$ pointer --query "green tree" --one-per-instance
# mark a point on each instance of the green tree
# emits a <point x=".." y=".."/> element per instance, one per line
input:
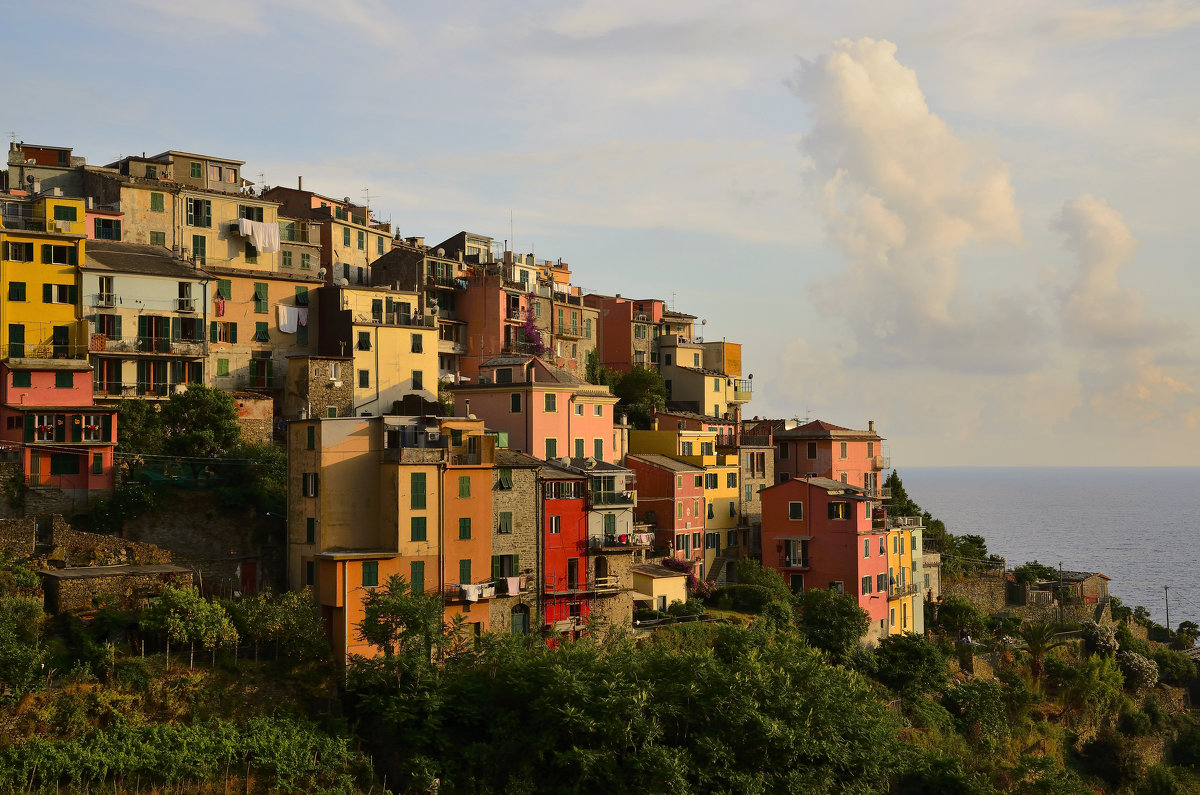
<point x="183" y="616"/>
<point x="751" y="572"/>
<point x="1037" y="639"/>
<point x="290" y="621"/>
<point x="1187" y="634"/>
<point x="910" y="664"/>
<point x="640" y="392"/>
<point x="832" y="622"/>
<point x="956" y="615"/>
<point x="398" y="621"/>
<point x="21" y="650"/>
<point x="1032" y="572"/>
<point x="200" y="422"/>
<point x="140" y="427"/>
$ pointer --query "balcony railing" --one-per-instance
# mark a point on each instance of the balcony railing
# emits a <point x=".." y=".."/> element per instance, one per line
<point x="417" y="320"/>
<point x="575" y="332"/>
<point x="151" y="389"/>
<point x="486" y="590"/>
<point x="795" y="563"/>
<point x="451" y="346"/>
<point x="905" y="521"/>
<point x="879" y="492"/>
<point x="504" y="585"/>
<point x="160" y="345"/>
<point x="291" y="232"/>
<point x="612" y="498"/>
<point x="450" y="282"/>
<point x="26" y="223"/>
<point x="607" y="585"/>
<point x="900" y="591"/>
<point x="185" y="304"/>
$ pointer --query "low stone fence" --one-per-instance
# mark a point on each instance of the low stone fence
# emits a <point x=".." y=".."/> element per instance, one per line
<point x="76" y="590"/>
<point x="987" y="592"/>
<point x="74" y="548"/>
<point x="18" y="538"/>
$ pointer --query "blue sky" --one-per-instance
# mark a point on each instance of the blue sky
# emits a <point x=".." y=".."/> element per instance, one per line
<point x="973" y="223"/>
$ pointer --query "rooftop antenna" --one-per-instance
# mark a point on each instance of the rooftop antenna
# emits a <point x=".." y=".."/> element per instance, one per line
<point x="12" y="136"/>
<point x="262" y="178"/>
<point x="366" y="194"/>
<point x="511" y="236"/>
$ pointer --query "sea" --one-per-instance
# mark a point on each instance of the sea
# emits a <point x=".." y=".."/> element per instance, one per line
<point x="1140" y="526"/>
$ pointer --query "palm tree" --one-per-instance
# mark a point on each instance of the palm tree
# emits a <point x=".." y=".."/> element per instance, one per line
<point x="1039" y="637"/>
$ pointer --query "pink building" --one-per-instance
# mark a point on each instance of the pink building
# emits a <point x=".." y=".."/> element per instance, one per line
<point x="671" y="500"/>
<point x="66" y="440"/>
<point x="820" y="533"/>
<point x="820" y="449"/>
<point x="497" y="313"/>
<point x="629" y="330"/>
<point x="546" y="411"/>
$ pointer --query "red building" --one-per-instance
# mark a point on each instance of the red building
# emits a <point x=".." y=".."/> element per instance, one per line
<point x="66" y="440"/>
<point x="821" y="533"/>
<point x="671" y="500"/>
<point x="566" y="595"/>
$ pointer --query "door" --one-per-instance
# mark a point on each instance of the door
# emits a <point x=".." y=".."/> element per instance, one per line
<point x="573" y="574"/>
<point x="249" y="578"/>
<point x="520" y="620"/>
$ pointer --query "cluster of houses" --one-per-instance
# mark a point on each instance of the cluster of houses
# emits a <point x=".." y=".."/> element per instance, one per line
<point x="532" y="506"/>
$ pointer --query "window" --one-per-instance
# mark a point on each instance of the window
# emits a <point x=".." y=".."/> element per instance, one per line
<point x="362" y="240"/>
<point x="16" y="291"/>
<point x="870" y="449"/>
<point x="64" y="464"/>
<point x="464" y="528"/>
<point x="812" y="451"/>
<point x="598" y="411"/>
<point x="364" y="341"/>
<point x="250" y="213"/>
<point x="65" y="212"/>
<point x="706" y="448"/>
<point x="157" y="203"/>
<point x="882" y="545"/>
<point x="222" y="332"/>
<point x="551" y="449"/>
<point x="379" y="245"/>
<point x="795" y="510"/>
<point x="685" y="448"/>
<point x="464" y="486"/>
<point x="733" y="508"/>
<point x="880" y="583"/>
<point x="24" y="378"/>
<point x="345" y="236"/>
<point x="417" y="490"/>
<point x="866" y="547"/>
<point x="310" y="572"/>
<point x="214" y="173"/>
<point x="579" y="448"/>
<point x="866" y="585"/>
<point x="364" y="379"/>
<point x="710" y="480"/>
<point x="464" y="571"/>
<point x="716" y="381"/>
<point x="783" y="451"/>
<point x="505" y="524"/>
<point x="555" y="525"/>
<point x="309" y="484"/>
<point x="842" y="453"/>
<point x="199" y="212"/>
<point x="731" y="480"/>
<point x="251" y="253"/>
<point x="58" y="293"/>
<point x="418" y="379"/>
<point x="311" y="442"/>
<point x="370" y="573"/>
<point x="710" y="511"/>
<point x="63" y="380"/>
<point x="97" y="463"/>
<point x="222" y="367"/>
<point x="107" y="228"/>
<point x="417" y="528"/>
<point x="305" y="262"/>
<point x="749" y="494"/>
<point x="578" y="409"/>
<point x="20" y="252"/>
<point x="310" y="530"/>
<point x="838" y="510"/>
<point x="418" y="343"/>
<point x="158" y="238"/>
<point x="416" y="576"/>
<point x="331" y="411"/>
<point x="504" y="479"/>
<point x="698" y="482"/>
<point x="679" y="510"/>
<point x="200" y="248"/>
<point x="261" y="332"/>
<point x="551" y="402"/>
<point x="260" y="298"/>
<point x="56" y="255"/>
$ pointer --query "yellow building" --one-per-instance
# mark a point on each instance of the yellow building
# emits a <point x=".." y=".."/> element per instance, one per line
<point x="721" y="480"/>
<point x="41" y="246"/>
<point x="395" y="347"/>
<point x="901" y="588"/>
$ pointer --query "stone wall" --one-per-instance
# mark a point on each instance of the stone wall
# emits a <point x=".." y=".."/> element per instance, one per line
<point x="217" y="541"/>
<point x="70" y="547"/>
<point x="987" y="593"/>
<point x="1071" y="614"/>
<point x="254" y="416"/>
<point x="73" y="595"/>
<point x="12" y="487"/>
<point x="522" y="502"/>
<point x="616" y="609"/>
<point x="17" y="538"/>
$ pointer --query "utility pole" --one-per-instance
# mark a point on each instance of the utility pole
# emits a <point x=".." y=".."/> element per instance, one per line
<point x="1167" y="600"/>
<point x="1060" y="593"/>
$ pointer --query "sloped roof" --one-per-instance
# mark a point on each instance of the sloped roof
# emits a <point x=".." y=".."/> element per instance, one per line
<point x="110" y="255"/>
<point x="819" y="429"/>
<point x="664" y="462"/>
<point x="512" y="459"/>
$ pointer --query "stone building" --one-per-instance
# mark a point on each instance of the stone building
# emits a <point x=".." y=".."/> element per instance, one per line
<point x="515" y="529"/>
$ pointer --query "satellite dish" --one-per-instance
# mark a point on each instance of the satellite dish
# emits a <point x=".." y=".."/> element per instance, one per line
<point x="321" y="273"/>
<point x="441" y="252"/>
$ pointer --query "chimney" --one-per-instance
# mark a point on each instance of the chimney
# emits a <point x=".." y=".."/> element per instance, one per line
<point x="871" y="426"/>
<point x="467" y="407"/>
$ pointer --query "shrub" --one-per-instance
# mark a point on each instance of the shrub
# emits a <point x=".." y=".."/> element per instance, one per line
<point x="910" y="664"/>
<point x="1174" y="666"/>
<point x="979" y="709"/>
<point x="692" y="607"/>
<point x="1140" y="672"/>
<point x="648" y="615"/>
<point x="1186" y="750"/>
<point x="1134" y="722"/>
<point x="751" y="598"/>
<point x="1129" y="642"/>
<point x="1100" y="638"/>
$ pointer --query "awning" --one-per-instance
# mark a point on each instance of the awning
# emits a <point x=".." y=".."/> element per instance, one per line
<point x="641" y="597"/>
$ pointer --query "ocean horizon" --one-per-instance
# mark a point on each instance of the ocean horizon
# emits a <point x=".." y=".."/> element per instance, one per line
<point x="1135" y="524"/>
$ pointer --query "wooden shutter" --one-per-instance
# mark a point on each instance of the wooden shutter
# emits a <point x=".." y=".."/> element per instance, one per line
<point x="73" y="255"/>
<point x="212" y="331"/>
<point x="29" y="427"/>
<point x="60" y="427"/>
<point x="495" y="567"/>
<point x="175" y="329"/>
<point x="47" y="253"/>
<point x="76" y="428"/>
<point x="117" y="229"/>
<point x="47" y="293"/>
<point x="116" y="326"/>
<point x="233" y="332"/>
<point x="97" y="228"/>
<point x="106" y="427"/>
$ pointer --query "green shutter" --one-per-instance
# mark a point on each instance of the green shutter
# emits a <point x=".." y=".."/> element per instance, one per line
<point x="117" y="326"/>
<point x="97" y="228"/>
<point x="47" y="253"/>
<point x="416" y="579"/>
<point x="464" y="571"/>
<point x="233" y="332"/>
<point x="72" y="294"/>
<point x="224" y="288"/>
<point x="302" y="336"/>
<point x="301" y="296"/>
<point x="212" y="331"/>
<point x="76" y="428"/>
<point x="73" y="255"/>
<point x="29" y="427"/>
<point x="516" y="564"/>
<point x="97" y="464"/>
<point x="417" y="489"/>
<point x="47" y="293"/>
<point x="117" y="229"/>
<point x="106" y="427"/>
<point x="175" y="335"/>
<point x="495" y="567"/>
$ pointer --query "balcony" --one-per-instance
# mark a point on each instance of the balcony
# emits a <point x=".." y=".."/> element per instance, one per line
<point x="743" y="390"/>
<point x="291" y="232"/>
<point x="105" y="300"/>
<point x="622" y="541"/>
<point x="882" y="462"/>
<point x="514" y="315"/>
<point x="795" y="563"/>
<point x="512" y="586"/>
<point x="901" y="591"/>
<point x="451" y="346"/>
<point x="572" y="332"/>
<point x="185" y="305"/>
<point x="444" y="282"/>
<point x="879" y="492"/>
<point x="913" y="522"/>
<point x="408" y="319"/>
<point x="459" y="592"/>
<point x="607" y="585"/>
<point x="25" y="223"/>
<point x="99" y="343"/>
<point x="627" y="498"/>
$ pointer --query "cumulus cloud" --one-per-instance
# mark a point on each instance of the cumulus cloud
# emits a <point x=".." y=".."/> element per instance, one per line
<point x="903" y="196"/>
<point x="1097" y="311"/>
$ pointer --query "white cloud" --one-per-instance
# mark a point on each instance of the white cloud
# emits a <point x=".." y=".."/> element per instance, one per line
<point x="903" y="195"/>
<point x="1133" y="20"/>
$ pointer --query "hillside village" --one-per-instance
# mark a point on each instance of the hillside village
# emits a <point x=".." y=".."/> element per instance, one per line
<point x="434" y="400"/>
<point x="450" y="453"/>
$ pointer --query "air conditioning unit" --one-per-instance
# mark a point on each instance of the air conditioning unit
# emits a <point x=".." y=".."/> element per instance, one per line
<point x="233" y="228"/>
<point x="62" y="226"/>
<point x="433" y="436"/>
<point x="337" y="384"/>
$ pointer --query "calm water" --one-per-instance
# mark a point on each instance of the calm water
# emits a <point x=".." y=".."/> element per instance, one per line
<point x="1137" y="525"/>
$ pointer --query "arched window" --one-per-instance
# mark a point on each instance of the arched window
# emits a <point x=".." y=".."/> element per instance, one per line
<point x="601" y="568"/>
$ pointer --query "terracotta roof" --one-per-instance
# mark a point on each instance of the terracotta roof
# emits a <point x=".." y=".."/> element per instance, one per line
<point x="664" y="462"/>
<point x="111" y="255"/>
<point x="818" y="429"/>
<point x="513" y="459"/>
<point x="655" y="570"/>
<point x="691" y="415"/>
<point x="1079" y="576"/>
<point x="583" y="465"/>
<point x="704" y="371"/>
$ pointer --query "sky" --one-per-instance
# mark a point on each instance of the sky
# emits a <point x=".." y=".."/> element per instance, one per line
<point x="974" y="223"/>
